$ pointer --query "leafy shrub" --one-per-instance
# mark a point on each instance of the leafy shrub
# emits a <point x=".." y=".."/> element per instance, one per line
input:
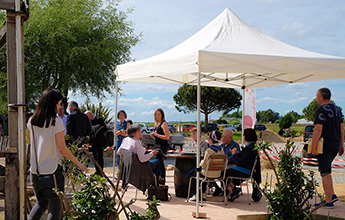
<point x="294" y="189"/>
<point x="286" y="121"/>
<point x="152" y="211"/>
<point x="94" y="200"/>
<point x="277" y="121"/>
<point x="101" y="111"/>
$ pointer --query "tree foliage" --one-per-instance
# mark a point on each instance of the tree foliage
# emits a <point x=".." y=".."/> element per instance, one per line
<point x="309" y="110"/>
<point x="212" y="99"/>
<point x="267" y="116"/>
<point x="286" y="121"/>
<point x="75" y="45"/>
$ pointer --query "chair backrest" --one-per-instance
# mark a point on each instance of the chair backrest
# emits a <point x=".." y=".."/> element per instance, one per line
<point x="217" y="163"/>
<point x="253" y="168"/>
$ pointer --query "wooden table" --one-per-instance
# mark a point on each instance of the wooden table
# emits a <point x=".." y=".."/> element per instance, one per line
<point x="183" y="164"/>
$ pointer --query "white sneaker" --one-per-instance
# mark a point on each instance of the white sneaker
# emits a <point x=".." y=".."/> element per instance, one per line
<point x="193" y="198"/>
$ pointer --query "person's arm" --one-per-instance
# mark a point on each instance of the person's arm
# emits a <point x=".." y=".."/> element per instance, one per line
<point x="61" y="144"/>
<point x="166" y="135"/>
<point x="141" y="153"/>
<point x="316" y="137"/>
<point x="341" y="149"/>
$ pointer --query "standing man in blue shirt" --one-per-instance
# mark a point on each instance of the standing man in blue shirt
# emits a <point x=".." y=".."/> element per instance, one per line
<point x="228" y="144"/>
<point x="329" y="126"/>
<point x="61" y="114"/>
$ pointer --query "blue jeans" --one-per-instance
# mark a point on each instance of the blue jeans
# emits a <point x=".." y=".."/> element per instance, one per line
<point x="42" y="204"/>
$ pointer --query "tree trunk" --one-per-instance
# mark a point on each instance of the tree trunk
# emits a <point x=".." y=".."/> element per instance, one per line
<point x="206" y="123"/>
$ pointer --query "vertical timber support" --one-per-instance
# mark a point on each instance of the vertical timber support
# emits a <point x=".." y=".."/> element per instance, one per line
<point x="15" y="184"/>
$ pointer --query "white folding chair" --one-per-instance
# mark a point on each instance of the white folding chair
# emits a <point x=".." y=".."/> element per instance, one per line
<point x="214" y="163"/>
<point x="246" y="179"/>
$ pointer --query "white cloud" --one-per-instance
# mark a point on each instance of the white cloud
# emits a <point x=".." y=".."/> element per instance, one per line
<point x="299" y="100"/>
<point x="153" y="103"/>
<point x="296" y="28"/>
<point x="148" y="113"/>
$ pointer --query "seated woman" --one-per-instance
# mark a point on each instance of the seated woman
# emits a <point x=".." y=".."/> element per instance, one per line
<point x="244" y="162"/>
<point x="132" y="143"/>
<point x="203" y="144"/>
<point x="213" y="149"/>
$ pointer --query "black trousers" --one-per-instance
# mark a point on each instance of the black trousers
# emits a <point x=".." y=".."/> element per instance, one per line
<point x="164" y="149"/>
<point x="235" y="173"/>
<point x="98" y="156"/>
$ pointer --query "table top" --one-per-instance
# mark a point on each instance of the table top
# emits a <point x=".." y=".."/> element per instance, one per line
<point x="184" y="156"/>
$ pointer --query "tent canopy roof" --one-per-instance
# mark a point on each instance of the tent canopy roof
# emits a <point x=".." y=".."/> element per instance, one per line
<point x="228" y="52"/>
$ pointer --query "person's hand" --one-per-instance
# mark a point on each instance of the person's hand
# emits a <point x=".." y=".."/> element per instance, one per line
<point x="155" y="152"/>
<point x="81" y="167"/>
<point x="233" y="151"/>
<point x="341" y="150"/>
<point x="314" y="151"/>
<point x="153" y="134"/>
<point x="118" y="133"/>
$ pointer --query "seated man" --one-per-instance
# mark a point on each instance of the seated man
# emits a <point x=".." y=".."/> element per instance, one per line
<point x="203" y="144"/>
<point x="213" y="149"/>
<point x="132" y="144"/>
<point x="244" y="162"/>
<point x="228" y="144"/>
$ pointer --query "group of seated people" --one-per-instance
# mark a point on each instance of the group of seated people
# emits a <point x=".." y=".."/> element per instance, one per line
<point x="240" y="162"/>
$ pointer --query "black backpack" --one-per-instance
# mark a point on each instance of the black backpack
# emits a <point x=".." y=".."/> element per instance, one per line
<point x="257" y="195"/>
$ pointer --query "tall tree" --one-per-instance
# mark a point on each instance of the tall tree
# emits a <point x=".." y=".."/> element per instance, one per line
<point x="212" y="99"/>
<point x="267" y="116"/>
<point x="309" y="110"/>
<point x="75" y="45"/>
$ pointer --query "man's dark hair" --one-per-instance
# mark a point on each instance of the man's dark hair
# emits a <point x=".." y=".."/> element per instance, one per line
<point x="250" y="135"/>
<point x="74" y="103"/>
<point x="130" y="122"/>
<point x="325" y="93"/>
<point x="132" y="129"/>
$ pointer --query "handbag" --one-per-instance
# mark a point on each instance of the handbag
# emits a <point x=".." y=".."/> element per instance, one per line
<point x="319" y="146"/>
<point x="256" y="195"/>
<point x="48" y="182"/>
<point x="161" y="193"/>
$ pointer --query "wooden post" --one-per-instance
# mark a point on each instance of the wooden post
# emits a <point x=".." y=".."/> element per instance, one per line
<point x="12" y="181"/>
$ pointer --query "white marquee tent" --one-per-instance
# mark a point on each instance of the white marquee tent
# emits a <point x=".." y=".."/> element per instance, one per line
<point x="228" y="52"/>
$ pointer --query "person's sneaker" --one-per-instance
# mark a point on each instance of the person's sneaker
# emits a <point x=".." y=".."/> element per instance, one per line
<point x="193" y="198"/>
<point x="334" y="198"/>
<point x="329" y="205"/>
<point x="235" y="194"/>
<point x="218" y="192"/>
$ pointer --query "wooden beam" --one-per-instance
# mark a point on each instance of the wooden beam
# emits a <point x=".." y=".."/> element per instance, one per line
<point x="7" y="5"/>
<point x="3" y="31"/>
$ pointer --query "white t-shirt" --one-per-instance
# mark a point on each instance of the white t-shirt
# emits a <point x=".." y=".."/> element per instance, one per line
<point x="46" y="148"/>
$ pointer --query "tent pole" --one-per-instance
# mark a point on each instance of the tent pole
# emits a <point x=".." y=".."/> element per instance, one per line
<point x="243" y="107"/>
<point x="198" y="145"/>
<point x="115" y="126"/>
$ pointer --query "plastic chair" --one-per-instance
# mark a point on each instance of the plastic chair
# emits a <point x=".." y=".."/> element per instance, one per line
<point x="214" y="163"/>
<point x="246" y="179"/>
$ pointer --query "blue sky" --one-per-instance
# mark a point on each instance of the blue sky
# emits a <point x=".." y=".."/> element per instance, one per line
<point x="312" y="25"/>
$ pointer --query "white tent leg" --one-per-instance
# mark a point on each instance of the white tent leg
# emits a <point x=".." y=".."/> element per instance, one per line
<point x="198" y="144"/>
<point x="243" y="107"/>
<point x="115" y="127"/>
